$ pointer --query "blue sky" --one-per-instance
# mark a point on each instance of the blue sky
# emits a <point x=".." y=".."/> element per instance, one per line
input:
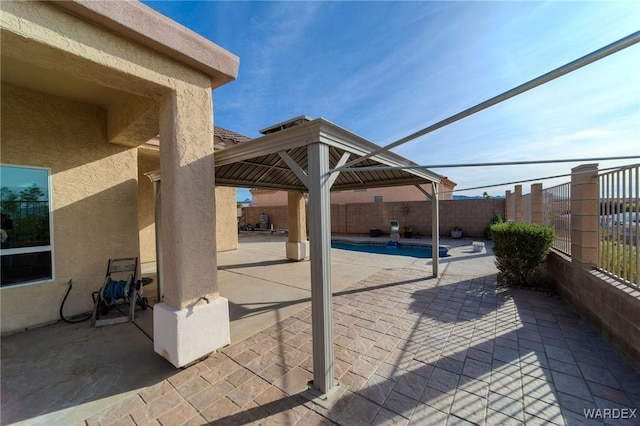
<point x="18" y="179"/>
<point x="384" y="70"/>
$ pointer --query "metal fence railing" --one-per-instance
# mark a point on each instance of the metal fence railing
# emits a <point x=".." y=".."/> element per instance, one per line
<point x="619" y="223"/>
<point x="26" y="223"/>
<point x="557" y="215"/>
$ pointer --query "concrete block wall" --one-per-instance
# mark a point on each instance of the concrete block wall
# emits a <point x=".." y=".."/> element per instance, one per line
<point x="610" y="306"/>
<point x="277" y="216"/>
<point x="473" y="216"/>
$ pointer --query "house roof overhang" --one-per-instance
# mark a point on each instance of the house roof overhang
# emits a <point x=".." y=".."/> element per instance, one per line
<point x="142" y="24"/>
<point x="259" y="163"/>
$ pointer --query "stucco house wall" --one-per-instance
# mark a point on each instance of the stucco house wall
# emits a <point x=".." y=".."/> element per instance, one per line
<point x="147" y="161"/>
<point x="94" y="188"/>
<point x="226" y="220"/>
<point x="84" y="84"/>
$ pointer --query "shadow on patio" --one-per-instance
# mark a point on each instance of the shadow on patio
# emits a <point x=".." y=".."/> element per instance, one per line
<point x="412" y="350"/>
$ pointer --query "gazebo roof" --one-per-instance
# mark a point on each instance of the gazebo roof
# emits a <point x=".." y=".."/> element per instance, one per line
<point x="265" y="162"/>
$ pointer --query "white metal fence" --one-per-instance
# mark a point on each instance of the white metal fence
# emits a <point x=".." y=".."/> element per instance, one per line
<point x="557" y="215"/>
<point x="619" y="223"/>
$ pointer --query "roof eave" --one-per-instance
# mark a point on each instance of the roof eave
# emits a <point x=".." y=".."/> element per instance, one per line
<point x="140" y="23"/>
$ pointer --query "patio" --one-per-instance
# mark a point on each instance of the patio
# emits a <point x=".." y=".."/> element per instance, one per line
<point x="410" y="348"/>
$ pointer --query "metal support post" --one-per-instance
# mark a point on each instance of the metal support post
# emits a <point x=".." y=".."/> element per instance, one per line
<point x="320" y="250"/>
<point x="435" y="228"/>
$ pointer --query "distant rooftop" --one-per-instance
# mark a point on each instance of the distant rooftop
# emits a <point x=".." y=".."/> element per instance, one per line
<point x="228" y="138"/>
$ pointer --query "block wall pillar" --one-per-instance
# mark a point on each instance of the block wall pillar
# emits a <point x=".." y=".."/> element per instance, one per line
<point x="518" y="203"/>
<point x="537" y="204"/>
<point x="584" y="216"/>
<point x="508" y="214"/>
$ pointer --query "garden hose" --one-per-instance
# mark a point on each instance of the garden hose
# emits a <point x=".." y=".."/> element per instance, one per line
<point x="75" y="321"/>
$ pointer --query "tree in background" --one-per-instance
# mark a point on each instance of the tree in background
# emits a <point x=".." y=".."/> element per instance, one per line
<point x="28" y="214"/>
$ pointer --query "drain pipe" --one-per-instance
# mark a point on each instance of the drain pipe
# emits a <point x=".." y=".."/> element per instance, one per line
<point x="154" y="177"/>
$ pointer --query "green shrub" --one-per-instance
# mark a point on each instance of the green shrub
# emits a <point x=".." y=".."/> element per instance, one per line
<point x="519" y="248"/>
<point x="497" y="218"/>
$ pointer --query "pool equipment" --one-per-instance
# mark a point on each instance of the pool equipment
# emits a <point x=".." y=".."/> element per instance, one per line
<point x="264" y="221"/>
<point x="394" y="235"/>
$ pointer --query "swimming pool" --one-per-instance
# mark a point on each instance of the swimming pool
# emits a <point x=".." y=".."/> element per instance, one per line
<point x="422" y="252"/>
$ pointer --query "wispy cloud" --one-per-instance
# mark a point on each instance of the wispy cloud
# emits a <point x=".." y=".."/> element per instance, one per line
<point x="387" y="69"/>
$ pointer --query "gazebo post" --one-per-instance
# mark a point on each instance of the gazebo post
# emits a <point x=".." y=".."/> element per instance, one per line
<point x="320" y="250"/>
<point x="435" y="225"/>
<point x="435" y="229"/>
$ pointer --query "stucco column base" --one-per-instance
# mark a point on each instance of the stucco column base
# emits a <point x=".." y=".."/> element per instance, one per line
<point x="298" y="251"/>
<point x="184" y="336"/>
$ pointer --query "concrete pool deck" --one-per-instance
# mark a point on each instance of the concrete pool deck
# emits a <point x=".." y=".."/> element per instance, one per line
<point x="412" y="349"/>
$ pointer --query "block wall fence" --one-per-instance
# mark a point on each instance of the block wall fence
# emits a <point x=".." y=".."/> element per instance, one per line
<point x="473" y="216"/>
<point x="610" y="305"/>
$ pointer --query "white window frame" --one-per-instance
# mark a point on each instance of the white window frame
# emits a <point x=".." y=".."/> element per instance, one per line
<point x="36" y="249"/>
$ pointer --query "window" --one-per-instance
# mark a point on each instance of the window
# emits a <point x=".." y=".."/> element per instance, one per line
<point x="378" y="199"/>
<point x="26" y="235"/>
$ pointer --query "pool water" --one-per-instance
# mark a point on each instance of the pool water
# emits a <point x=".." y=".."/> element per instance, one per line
<point x="422" y="252"/>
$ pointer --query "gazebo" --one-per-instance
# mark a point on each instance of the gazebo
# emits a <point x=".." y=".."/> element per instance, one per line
<point x="299" y="156"/>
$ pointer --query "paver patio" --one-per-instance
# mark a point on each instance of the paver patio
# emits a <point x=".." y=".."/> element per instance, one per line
<point x="413" y="350"/>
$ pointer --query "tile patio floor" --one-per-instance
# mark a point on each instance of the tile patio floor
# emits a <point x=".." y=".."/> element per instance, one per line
<point x="412" y="350"/>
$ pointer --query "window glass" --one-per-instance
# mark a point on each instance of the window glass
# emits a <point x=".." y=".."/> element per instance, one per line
<point x="26" y="226"/>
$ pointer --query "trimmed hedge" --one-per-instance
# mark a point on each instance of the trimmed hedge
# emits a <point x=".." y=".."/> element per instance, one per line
<point x="519" y="248"/>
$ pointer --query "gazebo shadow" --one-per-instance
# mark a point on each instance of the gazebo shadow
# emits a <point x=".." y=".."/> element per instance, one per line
<point x="473" y="351"/>
<point x="463" y="357"/>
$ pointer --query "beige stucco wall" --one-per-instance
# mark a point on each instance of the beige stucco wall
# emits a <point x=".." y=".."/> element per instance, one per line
<point x="226" y="219"/>
<point x="147" y="162"/>
<point x="104" y="78"/>
<point x="266" y="197"/>
<point x="94" y="188"/>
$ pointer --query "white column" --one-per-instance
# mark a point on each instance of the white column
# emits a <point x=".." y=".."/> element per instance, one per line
<point x="320" y="247"/>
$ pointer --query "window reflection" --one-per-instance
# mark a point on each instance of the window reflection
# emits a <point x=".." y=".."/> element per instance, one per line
<point x="26" y="226"/>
